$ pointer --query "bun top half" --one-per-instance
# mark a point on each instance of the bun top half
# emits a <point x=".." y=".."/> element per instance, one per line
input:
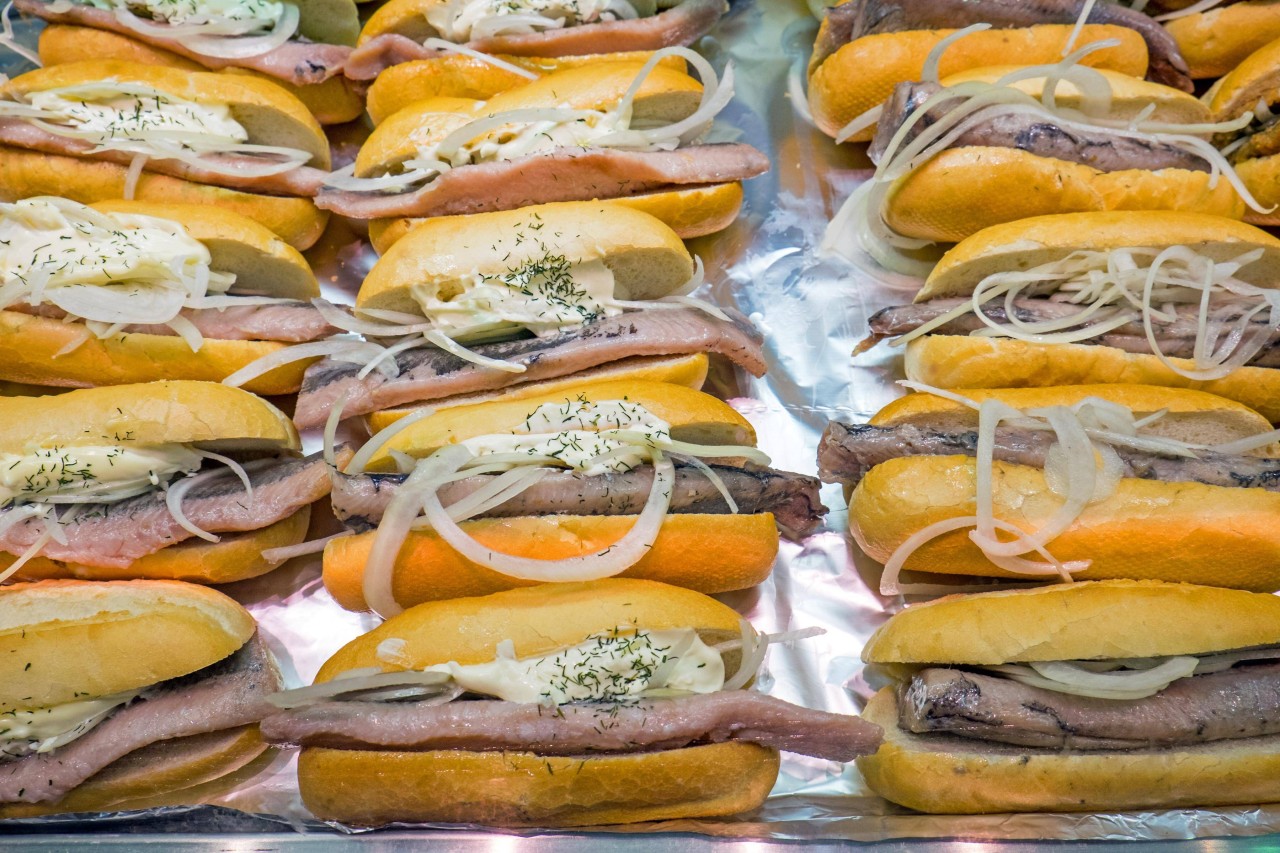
<point x="1077" y="621"/>
<point x="1028" y="243"/>
<point x="63" y="641"/>
<point x="147" y="413"/>
<point x="537" y="619"/>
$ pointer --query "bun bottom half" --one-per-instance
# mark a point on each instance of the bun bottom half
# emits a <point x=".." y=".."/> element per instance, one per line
<point x="690" y="212"/>
<point x="1261" y="176"/>
<point x="966" y="361"/>
<point x="335" y="101"/>
<point x="706" y="553"/>
<point x="161" y="774"/>
<point x="25" y="173"/>
<point x="940" y="774"/>
<point x="1145" y="530"/>
<point x="30" y="347"/>
<point x="863" y="73"/>
<point x="523" y="789"/>
<point x="236" y="557"/>
<point x="961" y="191"/>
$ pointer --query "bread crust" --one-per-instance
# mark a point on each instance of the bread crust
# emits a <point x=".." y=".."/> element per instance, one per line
<point x="689" y="212"/>
<point x="458" y="75"/>
<point x="943" y="775"/>
<point x="335" y="101"/>
<point x="963" y="361"/>
<point x="443" y="254"/>
<point x="1215" y="42"/>
<point x="1077" y="621"/>
<point x="67" y="640"/>
<point x="1189" y="532"/>
<point x="1027" y="243"/>
<point x="538" y="619"/>
<point x="693" y="416"/>
<point x="961" y="191"/>
<point x="25" y="173"/>
<point x="523" y="789"/>
<point x="707" y="553"/>
<point x="689" y="371"/>
<point x="861" y="75"/>
<point x="177" y="411"/>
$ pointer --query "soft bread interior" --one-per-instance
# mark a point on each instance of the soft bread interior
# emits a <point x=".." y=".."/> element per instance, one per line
<point x="267" y="125"/>
<point x="328" y="21"/>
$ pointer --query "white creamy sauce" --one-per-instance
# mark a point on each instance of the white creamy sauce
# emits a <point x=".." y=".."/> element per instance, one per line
<point x="44" y="729"/>
<point x="543" y="296"/>
<point x="47" y="473"/>
<point x="570" y="433"/>
<point x="47" y="245"/>
<point x="463" y="20"/>
<point x="132" y="117"/>
<point x="262" y="14"/>
<point x="612" y="665"/>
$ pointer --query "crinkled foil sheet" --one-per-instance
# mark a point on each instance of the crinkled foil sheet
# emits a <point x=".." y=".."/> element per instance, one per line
<point x="813" y="312"/>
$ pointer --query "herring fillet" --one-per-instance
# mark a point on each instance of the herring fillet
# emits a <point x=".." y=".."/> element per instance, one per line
<point x="115" y="534"/>
<point x="359" y="500"/>
<point x="229" y="694"/>
<point x="683" y="24"/>
<point x="296" y="62"/>
<point x="578" y="728"/>
<point x="293" y="322"/>
<point x="562" y="174"/>
<point x="428" y="373"/>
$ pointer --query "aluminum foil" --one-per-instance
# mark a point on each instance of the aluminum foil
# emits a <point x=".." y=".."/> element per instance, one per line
<point x="813" y="311"/>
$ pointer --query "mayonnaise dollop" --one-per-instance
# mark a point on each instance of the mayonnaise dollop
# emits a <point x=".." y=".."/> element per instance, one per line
<point x="612" y="665"/>
<point x="133" y="117"/>
<point x="48" y="473"/>
<point x="543" y="296"/>
<point x="256" y="14"/>
<point x="462" y="21"/>
<point x="570" y="433"/>
<point x="44" y="729"/>
<point x="48" y="243"/>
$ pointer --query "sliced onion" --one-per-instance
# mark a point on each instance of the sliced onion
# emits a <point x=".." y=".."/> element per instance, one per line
<point x="329" y="438"/>
<point x="382" y="436"/>
<point x="346" y="686"/>
<point x="133" y="175"/>
<point x="1064" y="677"/>
<point x="331" y="348"/>
<point x="1193" y="9"/>
<point x="452" y="347"/>
<point x="284" y="553"/>
<point x="1080" y="22"/>
<point x="10" y="41"/>
<point x="930" y="72"/>
<point x="219" y="46"/>
<point x="711" y="476"/>
<point x="608" y="562"/>
<point x="753" y="651"/>
<point x="173" y="501"/>
<point x="450" y="47"/>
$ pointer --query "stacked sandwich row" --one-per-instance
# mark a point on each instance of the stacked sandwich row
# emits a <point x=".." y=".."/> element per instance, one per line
<point x="529" y="375"/>
<point x="1093" y="377"/>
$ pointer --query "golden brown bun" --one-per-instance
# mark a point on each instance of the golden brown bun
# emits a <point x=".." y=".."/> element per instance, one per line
<point x="67" y="640"/>
<point x="690" y="212"/>
<point x="963" y="361"/>
<point x="1255" y="78"/>
<point x="523" y="789"/>
<point x="442" y="255"/>
<point x="537" y="620"/>
<point x="262" y="262"/>
<point x="1261" y="176"/>
<point x="964" y="190"/>
<point x="150" y="413"/>
<point x="269" y="114"/>
<point x="707" y="553"/>
<point x="29" y="348"/>
<point x="157" y="775"/>
<point x="1215" y="42"/>
<point x="689" y="371"/>
<point x="862" y="74"/>
<point x="665" y="95"/>
<point x="946" y="775"/>
<point x="29" y="173"/>
<point x="1078" y="621"/>
<point x="458" y="75"/>
<point x="334" y="101"/>
<point x="692" y="415"/>
<point x="1027" y="243"/>
<point x="236" y="557"/>
<point x="1189" y="532"/>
